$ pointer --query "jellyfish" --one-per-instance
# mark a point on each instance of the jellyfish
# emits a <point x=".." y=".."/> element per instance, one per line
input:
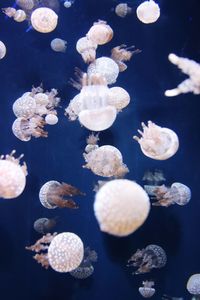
<point x="122" y="53"/>
<point x="190" y="68"/>
<point x="74" y="108"/>
<point x="25" y="4"/>
<point x="153" y="180"/>
<point x="18" y="15"/>
<point x="51" y="119"/>
<point x="147" y="290"/>
<point x="24" y="107"/>
<point x="2" y="50"/>
<point x="121" y="206"/>
<point x="193" y="284"/>
<point x="44" y="19"/>
<point x="119" y="98"/>
<point x="106" y="67"/>
<point x="153" y="256"/>
<point x="86" y="268"/>
<point x="63" y="252"/>
<point x="122" y="10"/>
<point x="100" y="33"/>
<point x="58" y="45"/>
<point x="68" y="4"/>
<point x="148" y="12"/>
<point x="44" y="225"/>
<point x="157" y="142"/>
<point x="87" y="49"/>
<point x="52" y="194"/>
<point x="12" y="176"/>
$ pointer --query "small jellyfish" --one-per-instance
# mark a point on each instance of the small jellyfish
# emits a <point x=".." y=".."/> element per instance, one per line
<point x="86" y="268"/>
<point x="122" y="10"/>
<point x="51" y="119"/>
<point x="12" y="176"/>
<point x="166" y="297"/>
<point x="68" y="4"/>
<point x="119" y="98"/>
<point x="153" y="256"/>
<point x="18" y="15"/>
<point x="52" y="194"/>
<point x="74" y="108"/>
<point x="121" y="206"/>
<point x="100" y="33"/>
<point x="147" y="290"/>
<point x="153" y="180"/>
<point x="25" y="4"/>
<point x="190" y="68"/>
<point x="44" y="225"/>
<point x="2" y="50"/>
<point x="157" y="142"/>
<point x="44" y="19"/>
<point x="58" y="45"/>
<point x="193" y="284"/>
<point x="87" y="49"/>
<point x="148" y="12"/>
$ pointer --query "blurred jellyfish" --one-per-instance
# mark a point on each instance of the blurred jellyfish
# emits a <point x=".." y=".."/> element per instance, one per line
<point x="52" y="194"/>
<point x="87" y="49"/>
<point x="157" y="142"/>
<point x="18" y="15"/>
<point x="65" y="251"/>
<point x="166" y="297"/>
<point x="121" y="53"/>
<point x="100" y="33"/>
<point x="12" y="176"/>
<point x="147" y="290"/>
<point x="86" y="268"/>
<point x="153" y="256"/>
<point x="193" y="284"/>
<point x="148" y="12"/>
<point x="2" y="50"/>
<point x="121" y="206"/>
<point x="122" y="10"/>
<point x="58" y="45"/>
<point x="104" y="161"/>
<point x="119" y="98"/>
<point x="44" y="19"/>
<point x="25" y="4"/>
<point x="152" y="181"/>
<point x="68" y="4"/>
<point x="105" y="67"/>
<point x="190" y="68"/>
<point x="44" y="225"/>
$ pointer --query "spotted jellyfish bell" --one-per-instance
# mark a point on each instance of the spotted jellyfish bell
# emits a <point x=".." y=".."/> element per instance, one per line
<point x="121" y="206"/>
<point x="100" y="33"/>
<point x="44" y="19"/>
<point x="157" y="142"/>
<point x="68" y="4"/>
<point x="193" y="284"/>
<point x="148" y="12"/>
<point x="119" y="98"/>
<point x="122" y="10"/>
<point x="58" y="45"/>
<point x="87" y="49"/>
<point x="25" y="106"/>
<point x="2" y="50"/>
<point x="147" y="290"/>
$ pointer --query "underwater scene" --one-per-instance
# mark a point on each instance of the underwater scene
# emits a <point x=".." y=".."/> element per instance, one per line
<point x="99" y="151"/>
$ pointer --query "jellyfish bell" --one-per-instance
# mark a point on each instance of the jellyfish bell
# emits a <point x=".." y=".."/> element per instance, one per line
<point x="87" y="49"/>
<point x="24" y="107"/>
<point x="147" y="290"/>
<point x="2" y="50"/>
<point x="148" y="12"/>
<point x="100" y="33"/>
<point x="122" y="10"/>
<point x="51" y="119"/>
<point x="25" y="4"/>
<point x="44" y="19"/>
<point x="193" y="284"/>
<point x="157" y="142"/>
<point x="20" y="16"/>
<point x="58" y="45"/>
<point x="119" y="98"/>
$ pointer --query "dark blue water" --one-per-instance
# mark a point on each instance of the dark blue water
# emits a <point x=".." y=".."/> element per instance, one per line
<point x="30" y="61"/>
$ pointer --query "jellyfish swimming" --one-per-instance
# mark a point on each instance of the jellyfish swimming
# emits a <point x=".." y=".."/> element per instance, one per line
<point x="100" y="33"/>
<point x="152" y="181"/>
<point x="58" y="45"/>
<point x="63" y="252"/>
<point x="44" y="19"/>
<point x="190" y="68"/>
<point x="18" y="15"/>
<point x="2" y="50"/>
<point x="121" y="206"/>
<point x="147" y="290"/>
<point x="153" y="256"/>
<point x="68" y="4"/>
<point x="44" y="225"/>
<point x="148" y="12"/>
<point x="52" y="194"/>
<point x="87" y="49"/>
<point x="119" y="98"/>
<point x="12" y="176"/>
<point x="85" y="269"/>
<point x="157" y="142"/>
<point x="193" y="284"/>
<point x="122" y="10"/>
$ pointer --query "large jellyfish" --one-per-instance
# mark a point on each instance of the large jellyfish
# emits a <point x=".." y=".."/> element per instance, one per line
<point x="193" y="284"/>
<point x="2" y="50"/>
<point x="147" y="290"/>
<point x="153" y="256"/>
<point x="157" y="142"/>
<point x="148" y="12"/>
<point x="100" y="33"/>
<point x="190" y="68"/>
<point x="44" y="225"/>
<point x="12" y="176"/>
<point x="44" y="19"/>
<point x="152" y="181"/>
<point x="121" y="206"/>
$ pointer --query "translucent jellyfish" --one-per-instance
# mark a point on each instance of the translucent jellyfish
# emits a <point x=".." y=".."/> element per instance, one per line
<point x="121" y="206"/>
<point x="86" y="268"/>
<point x="51" y="119"/>
<point x="106" y="67"/>
<point x="157" y="142"/>
<point x="119" y="98"/>
<point x="87" y="49"/>
<point x="24" y="107"/>
<point x="44" y="19"/>
<point x="18" y="15"/>
<point x="190" y="68"/>
<point x="74" y="108"/>
<point x="122" y="53"/>
<point x="2" y="50"/>
<point x="68" y="4"/>
<point x="148" y="12"/>
<point x="44" y="225"/>
<point x="12" y="176"/>
<point x="58" y="45"/>
<point x="65" y="251"/>
<point x="122" y="10"/>
<point x="153" y="256"/>
<point x="147" y="290"/>
<point x="100" y="33"/>
<point x="25" y="4"/>
<point x="193" y="284"/>
<point x="52" y="195"/>
<point x="152" y="181"/>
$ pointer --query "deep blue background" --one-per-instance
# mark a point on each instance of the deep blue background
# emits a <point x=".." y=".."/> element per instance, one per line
<point x="30" y="61"/>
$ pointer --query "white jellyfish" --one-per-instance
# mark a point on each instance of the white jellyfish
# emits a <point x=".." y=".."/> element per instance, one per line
<point x="193" y="284"/>
<point x="87" y="49"/>
<point x="148" y="12"/>
<point x="51" y="119"/>
<point x="44" y="19"/>
<point x="58" y="45"/>
<point x="121" y="206"/>
<point x="122" y="10"/>
<point x="19" y="16"/>
<point x="12" y="176"/>
<point x="2" y="50"/>
<point x="157" y="142"/>
<point x="147" y="290"/>
<point x="25" y="4"/>
<point x="24" y="107"/>
<point x="119" y="98"/>
<point x="100" y="33"/>
<point x="190" y="68"/>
